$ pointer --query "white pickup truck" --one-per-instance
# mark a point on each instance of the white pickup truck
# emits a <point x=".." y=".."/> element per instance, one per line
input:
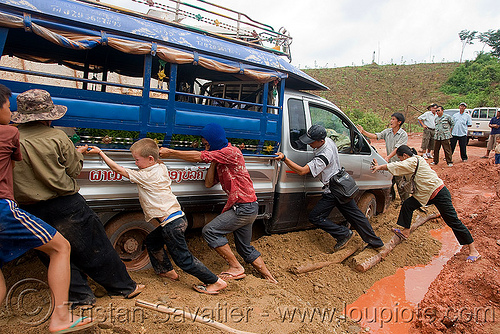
<point x="480" y="123"/>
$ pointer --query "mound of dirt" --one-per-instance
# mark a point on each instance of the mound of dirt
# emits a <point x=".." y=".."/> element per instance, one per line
<point x="465" y="296"/>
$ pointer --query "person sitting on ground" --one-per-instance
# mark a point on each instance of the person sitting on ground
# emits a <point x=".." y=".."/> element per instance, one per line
<point x="495" y="133"/>
<point x="159" y="203"/>
<point x="429" y="189"/>
<point x="394" y="136"/>
<point x="45" y="185"/>
<point x="227" y="166"/>
<point x="325" y="164"/>
<point x="21" y="231"/>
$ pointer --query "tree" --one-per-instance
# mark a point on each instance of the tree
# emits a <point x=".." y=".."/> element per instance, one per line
<point x="466" y="37"/>
<point x="492" y="39"/>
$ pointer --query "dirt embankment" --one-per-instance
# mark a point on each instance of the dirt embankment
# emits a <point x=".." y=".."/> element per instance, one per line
<point x="313" y="302"/>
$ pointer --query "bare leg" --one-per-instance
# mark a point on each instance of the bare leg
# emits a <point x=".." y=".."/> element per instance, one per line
<point x="58" y="249"/>
<point x="3" y="287"/>
<point x="260" y="266"/>
<point x="235" y="268"/>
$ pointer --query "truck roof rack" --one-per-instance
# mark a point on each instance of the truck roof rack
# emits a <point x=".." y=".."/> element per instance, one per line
<point x="213" y="19"/>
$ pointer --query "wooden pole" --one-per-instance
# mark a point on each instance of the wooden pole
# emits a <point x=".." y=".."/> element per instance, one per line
<point x="363" y="265"/>
<point x="339" y="256"/>
<point x="194" y="317"/>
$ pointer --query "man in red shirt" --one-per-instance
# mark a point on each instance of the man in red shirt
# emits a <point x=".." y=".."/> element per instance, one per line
<point x="228" y="167"/>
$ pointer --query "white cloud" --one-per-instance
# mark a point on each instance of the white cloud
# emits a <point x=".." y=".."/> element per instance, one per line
<point x="346" y="32"/>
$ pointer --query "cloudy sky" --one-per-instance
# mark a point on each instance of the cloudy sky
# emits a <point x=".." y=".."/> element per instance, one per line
<point x="336" y="33"/>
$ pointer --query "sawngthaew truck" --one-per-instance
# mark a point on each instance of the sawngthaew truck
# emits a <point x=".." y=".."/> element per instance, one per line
<point x="125" y="75"/>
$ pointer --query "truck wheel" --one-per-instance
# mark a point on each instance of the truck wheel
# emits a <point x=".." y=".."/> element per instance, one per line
<point x="368" y="205"/>
<point x="127" y="234"/>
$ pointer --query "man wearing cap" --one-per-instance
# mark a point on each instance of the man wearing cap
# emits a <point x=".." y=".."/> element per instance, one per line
<point x="442" y="136"/>
<point x="227" y="167"/>
<point x="325" y="164"/>
<point x="394" y="136"/>
<point x="427" y="121"/>
<point x="459" y="132"/>
<point x="45" y="186"/>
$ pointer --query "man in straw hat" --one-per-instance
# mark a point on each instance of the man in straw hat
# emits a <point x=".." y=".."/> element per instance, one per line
<point x="21" y="231"/>
<point x="427" y="121"/>
<point x="45" y="185"/>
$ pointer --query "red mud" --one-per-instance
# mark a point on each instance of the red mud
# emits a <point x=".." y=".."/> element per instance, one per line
<point x="465" y="297"/>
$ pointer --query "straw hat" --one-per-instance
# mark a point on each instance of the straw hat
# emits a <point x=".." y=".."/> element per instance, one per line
<point x="36" y="105"/>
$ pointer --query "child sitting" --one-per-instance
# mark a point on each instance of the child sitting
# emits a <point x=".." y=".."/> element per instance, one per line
<point x="158" y="202"/>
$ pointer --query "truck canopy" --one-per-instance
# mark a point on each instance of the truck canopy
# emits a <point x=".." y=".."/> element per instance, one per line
<point x="79" y="25"/>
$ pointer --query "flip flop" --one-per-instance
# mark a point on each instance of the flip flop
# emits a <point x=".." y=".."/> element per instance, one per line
<point x="136" y="292"/>
<point x="203" y="289"/>
<point x="400" y="234"/>
<point x="471" y="259"/>
<point x="76" y="326"/>
<point x="228" y="276"/>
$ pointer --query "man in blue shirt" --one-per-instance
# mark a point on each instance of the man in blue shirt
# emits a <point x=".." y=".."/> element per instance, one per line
<point x="495" y="132"/>
<point x="459" y="132"/>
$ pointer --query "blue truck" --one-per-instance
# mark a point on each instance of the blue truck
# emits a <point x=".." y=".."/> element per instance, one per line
<point x="126" y="75"/>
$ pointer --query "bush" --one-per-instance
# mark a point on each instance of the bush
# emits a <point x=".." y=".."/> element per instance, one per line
<point x="475" y="82"/>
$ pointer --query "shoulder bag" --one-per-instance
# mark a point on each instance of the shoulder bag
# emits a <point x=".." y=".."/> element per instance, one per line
<point x="409" y="186"/>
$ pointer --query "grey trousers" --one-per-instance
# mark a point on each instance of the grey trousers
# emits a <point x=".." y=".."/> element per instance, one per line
<point x="238" y="220"/>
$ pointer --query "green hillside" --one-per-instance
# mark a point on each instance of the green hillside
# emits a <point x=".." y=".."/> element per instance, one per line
<point x="384" y="90"/>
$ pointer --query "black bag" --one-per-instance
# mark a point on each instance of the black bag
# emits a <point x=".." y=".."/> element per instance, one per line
<point x="342" y="184"/>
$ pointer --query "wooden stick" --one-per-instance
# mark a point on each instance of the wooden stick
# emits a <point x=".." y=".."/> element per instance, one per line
<point x="194" y="317"/>
<point x="340" y="256"/>
<point x="364" y="265"/>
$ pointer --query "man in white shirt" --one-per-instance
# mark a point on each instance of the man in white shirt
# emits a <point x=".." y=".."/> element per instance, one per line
<point x="459" y="132"/>
<point x="394" y="137"/>
<point x="426" y="120"/>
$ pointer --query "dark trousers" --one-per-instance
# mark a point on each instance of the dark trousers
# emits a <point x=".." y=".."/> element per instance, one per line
<point x="91" y="250"/>
<point x="172" y="236"/>
<point x="351" y="212"/>
<point x="443" y="203"/>
<point x="447" y="150"/>
<point x="462" y="142"/>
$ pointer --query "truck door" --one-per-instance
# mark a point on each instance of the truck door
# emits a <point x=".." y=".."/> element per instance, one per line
<point x="349" y="144"/>
<point x="289" y="205"/>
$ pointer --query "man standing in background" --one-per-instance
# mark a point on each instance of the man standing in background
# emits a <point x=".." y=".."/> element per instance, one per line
<point x="442" y="136"/>
<point x="462" y="122"/>
<point x="495" y="132"/>
<point x="427" y="121"/>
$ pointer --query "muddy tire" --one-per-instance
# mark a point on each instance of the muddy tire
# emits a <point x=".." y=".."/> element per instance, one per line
<point x="368" y="205"/>
<point x="127" y="234"/>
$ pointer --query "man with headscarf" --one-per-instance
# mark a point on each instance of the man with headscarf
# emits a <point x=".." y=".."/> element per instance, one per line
<point x="227" y="166"/>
